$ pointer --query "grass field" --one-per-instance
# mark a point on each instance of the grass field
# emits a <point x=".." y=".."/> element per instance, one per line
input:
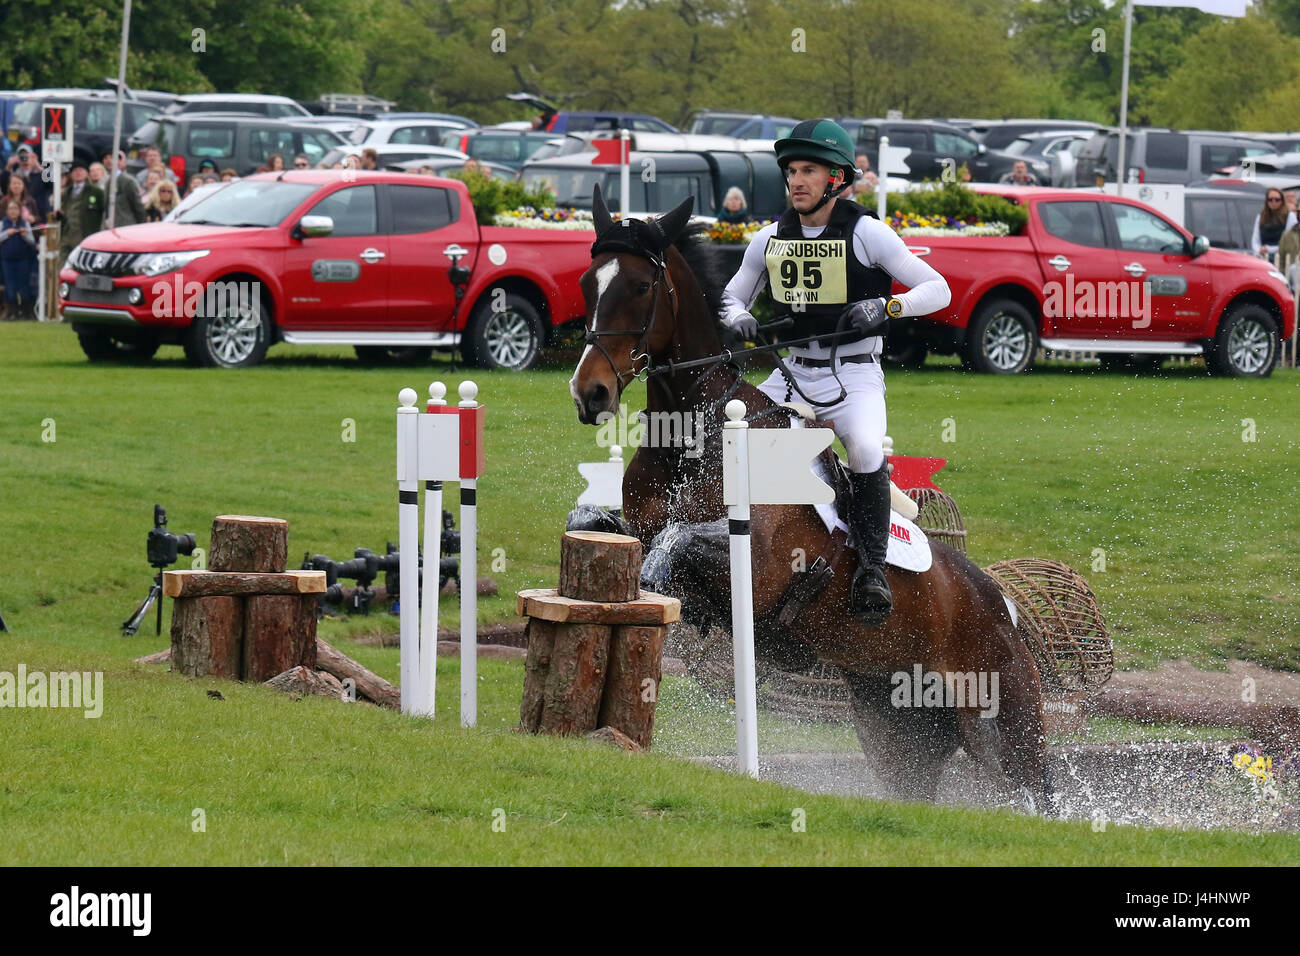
<point x="1197" y="528"/>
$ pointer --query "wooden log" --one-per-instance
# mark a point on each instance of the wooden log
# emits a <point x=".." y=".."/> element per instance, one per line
<point x="305" y="680"/>
<point x="246" y="543"/>
<point x="537" y="665"/>
<point x="612" y="735"/>
<point x="206" y="636"/>
<point x="575" y="680"/>
<point x="211" y="583"/>
<point x="1275" y="724"/>
<point x="367" y="684"/>
<point x="601" y="567"/>
<point x="158" y="657"/>
<point x="632" y="682"/>
<point x="279" y="634"/>
<point x="549" y="605"/>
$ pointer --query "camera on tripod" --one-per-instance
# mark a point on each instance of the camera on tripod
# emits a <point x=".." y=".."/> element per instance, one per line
<point x="162" y="548"/>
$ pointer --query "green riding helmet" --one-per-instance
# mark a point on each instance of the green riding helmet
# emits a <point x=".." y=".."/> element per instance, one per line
<point x="822" y="141"/>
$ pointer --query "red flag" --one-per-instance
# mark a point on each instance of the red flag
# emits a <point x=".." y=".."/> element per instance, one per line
<point x="911" y="472"/>
<point x="609" y="152"/>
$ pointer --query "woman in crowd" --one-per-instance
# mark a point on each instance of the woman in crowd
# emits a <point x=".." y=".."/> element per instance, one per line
<point x="734" y="208"/>
<point x="162" y="200"/>
<point x="17" y="245"/>
<point x="1273" y="220"/>
<point x="274" y="163"/>
<point x="152" y="178"/>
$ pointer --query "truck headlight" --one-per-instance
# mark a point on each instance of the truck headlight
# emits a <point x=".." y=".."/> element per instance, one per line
<point x="159" y="262"/>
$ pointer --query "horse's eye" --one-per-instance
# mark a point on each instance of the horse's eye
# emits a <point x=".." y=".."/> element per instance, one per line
<point x="642" y="288"/>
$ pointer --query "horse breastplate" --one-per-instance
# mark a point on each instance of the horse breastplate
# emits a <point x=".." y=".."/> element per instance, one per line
<point x="811" y="280"/>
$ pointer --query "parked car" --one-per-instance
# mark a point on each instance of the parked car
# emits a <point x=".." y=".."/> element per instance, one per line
<point x="1163" y="155"/>
<point x="581" y="121"/>
<point x="342" y="125"/>
<point x="405" y="132"/>
<point x="742" y="125"/>
<point x="1049" y="154"/>
<point x="317" y="257"/>
<point x="1091" y="272"/>
<point x="444" y="167"/>
<point x="932" y="146"/>
<point x="93" y="115"/>
<point x="999" y="134"/>
<point x="390" y="154"/>
<point x="1281" y="164"/>
<point x="345" y="105"/>
<point x="238" y="141"/>
<point x="263" y="104"/>
<point x="706" y="175"/>
<point x="1281" y="142"/>
<point x="504" y="146"/>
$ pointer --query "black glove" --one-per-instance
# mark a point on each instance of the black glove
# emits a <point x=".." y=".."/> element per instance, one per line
<point x="866" y="316"/>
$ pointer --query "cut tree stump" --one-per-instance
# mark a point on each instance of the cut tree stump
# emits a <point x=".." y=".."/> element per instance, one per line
<point x="279" y="633"/>
<point x="600" y="567"/>
<point x="207" y="636"/>
<point x="632" y="685"/>
<point x="569" y="678"/>
<point x="246" y="543"/>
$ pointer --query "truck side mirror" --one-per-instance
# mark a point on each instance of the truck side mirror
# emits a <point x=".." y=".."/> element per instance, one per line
<point x="313" y="226"/>
<point x="1200" y="246"/>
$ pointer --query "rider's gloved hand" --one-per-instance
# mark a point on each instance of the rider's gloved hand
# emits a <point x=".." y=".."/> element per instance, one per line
<point x="744" y="324"/>
<point x="867" y="315"/>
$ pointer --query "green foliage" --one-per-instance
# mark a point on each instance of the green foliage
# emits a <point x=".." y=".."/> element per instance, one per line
<point x="491" y="196"/>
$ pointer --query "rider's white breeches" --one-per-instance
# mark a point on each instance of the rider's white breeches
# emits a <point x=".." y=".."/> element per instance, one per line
<point x="859" y="420"/>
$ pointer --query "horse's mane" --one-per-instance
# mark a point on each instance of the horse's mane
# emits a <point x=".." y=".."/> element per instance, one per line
<point x="705" y="261"/>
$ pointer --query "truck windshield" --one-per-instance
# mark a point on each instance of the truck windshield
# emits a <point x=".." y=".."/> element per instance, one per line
<point x="572" y="187"/>
<point x="249" y="203"/>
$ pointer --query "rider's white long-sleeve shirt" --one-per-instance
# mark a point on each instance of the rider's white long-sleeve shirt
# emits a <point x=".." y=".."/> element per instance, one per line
<point x="874" y="244"/>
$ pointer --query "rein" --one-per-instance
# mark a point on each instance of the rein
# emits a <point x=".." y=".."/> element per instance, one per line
<point x="592" y="336"/>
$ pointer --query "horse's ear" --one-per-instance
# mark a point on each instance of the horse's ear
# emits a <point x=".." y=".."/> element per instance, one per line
<point x="599" y="211"/>
<point x="672" y="223"/>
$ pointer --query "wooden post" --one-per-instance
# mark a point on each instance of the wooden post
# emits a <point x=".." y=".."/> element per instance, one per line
<point x="279" y="634"/>
<point x="595" y="645"/>
<point x="243" y="543"/>
<point x="207" y="636"/>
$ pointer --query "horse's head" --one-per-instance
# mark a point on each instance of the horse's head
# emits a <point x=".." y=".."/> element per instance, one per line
<point x="631" y="304"/>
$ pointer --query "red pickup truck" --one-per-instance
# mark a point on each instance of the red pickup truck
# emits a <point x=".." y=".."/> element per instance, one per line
<point x="1091" y="272"/>
<point x="308" y="257"/>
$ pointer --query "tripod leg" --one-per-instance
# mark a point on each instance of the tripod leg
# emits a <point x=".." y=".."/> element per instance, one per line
<point x="132" y="624"/>
<point x="157" y="627"/>
<point x="3" y="626"/>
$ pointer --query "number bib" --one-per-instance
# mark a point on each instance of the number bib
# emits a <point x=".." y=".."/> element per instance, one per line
<point x="808" y="271"/>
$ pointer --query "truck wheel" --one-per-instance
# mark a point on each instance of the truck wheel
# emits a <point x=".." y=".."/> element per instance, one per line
<point x="232" y="338"/>
<point x="510" y="338"/>
<point x="1246" y="344"/>
<point x="103" y="345"/>
<point x="393" y="354"/>
<point x="1001" y="338"/>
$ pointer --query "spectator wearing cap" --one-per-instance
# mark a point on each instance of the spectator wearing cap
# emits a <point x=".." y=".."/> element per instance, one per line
<point x="207" y="166"/>
<point x="128" y="210"/>
<point x="82" y="210"/>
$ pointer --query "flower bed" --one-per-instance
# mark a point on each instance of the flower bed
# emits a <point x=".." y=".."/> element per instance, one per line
<point x="527" y="217"/>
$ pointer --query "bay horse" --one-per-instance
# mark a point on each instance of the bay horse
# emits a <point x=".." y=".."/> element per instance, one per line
<point x="652" y="294"/>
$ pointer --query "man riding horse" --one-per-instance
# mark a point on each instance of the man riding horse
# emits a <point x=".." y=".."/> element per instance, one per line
<point x="828" y="263"/>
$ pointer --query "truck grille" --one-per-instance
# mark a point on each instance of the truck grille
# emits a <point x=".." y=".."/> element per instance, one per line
<point x="105" y="263"/>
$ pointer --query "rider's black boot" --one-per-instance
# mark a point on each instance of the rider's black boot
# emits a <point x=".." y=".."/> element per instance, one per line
<point x="871" y="600"/>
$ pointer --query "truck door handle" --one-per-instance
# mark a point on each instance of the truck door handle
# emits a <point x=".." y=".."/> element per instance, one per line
<point x="1135" y="269"/>
<point x="1060" y="262"/>
<point x="372" y="255"/>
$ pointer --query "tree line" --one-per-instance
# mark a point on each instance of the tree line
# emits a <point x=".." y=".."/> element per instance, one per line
<point x="941" y="58"/>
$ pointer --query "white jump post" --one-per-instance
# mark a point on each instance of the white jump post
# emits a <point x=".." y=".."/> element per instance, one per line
<point x="604" y="481"/>
<point x="468" y="578"/>
<point x="759" y="468"/>
<point x="445" y="444"/>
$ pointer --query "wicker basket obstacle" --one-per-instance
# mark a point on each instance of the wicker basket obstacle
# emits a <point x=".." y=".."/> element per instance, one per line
<point x="939" y="517"/>
<point x="1062" y="625"/>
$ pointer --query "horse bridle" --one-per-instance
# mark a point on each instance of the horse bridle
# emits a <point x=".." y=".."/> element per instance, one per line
<point x="638" y="352"/>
